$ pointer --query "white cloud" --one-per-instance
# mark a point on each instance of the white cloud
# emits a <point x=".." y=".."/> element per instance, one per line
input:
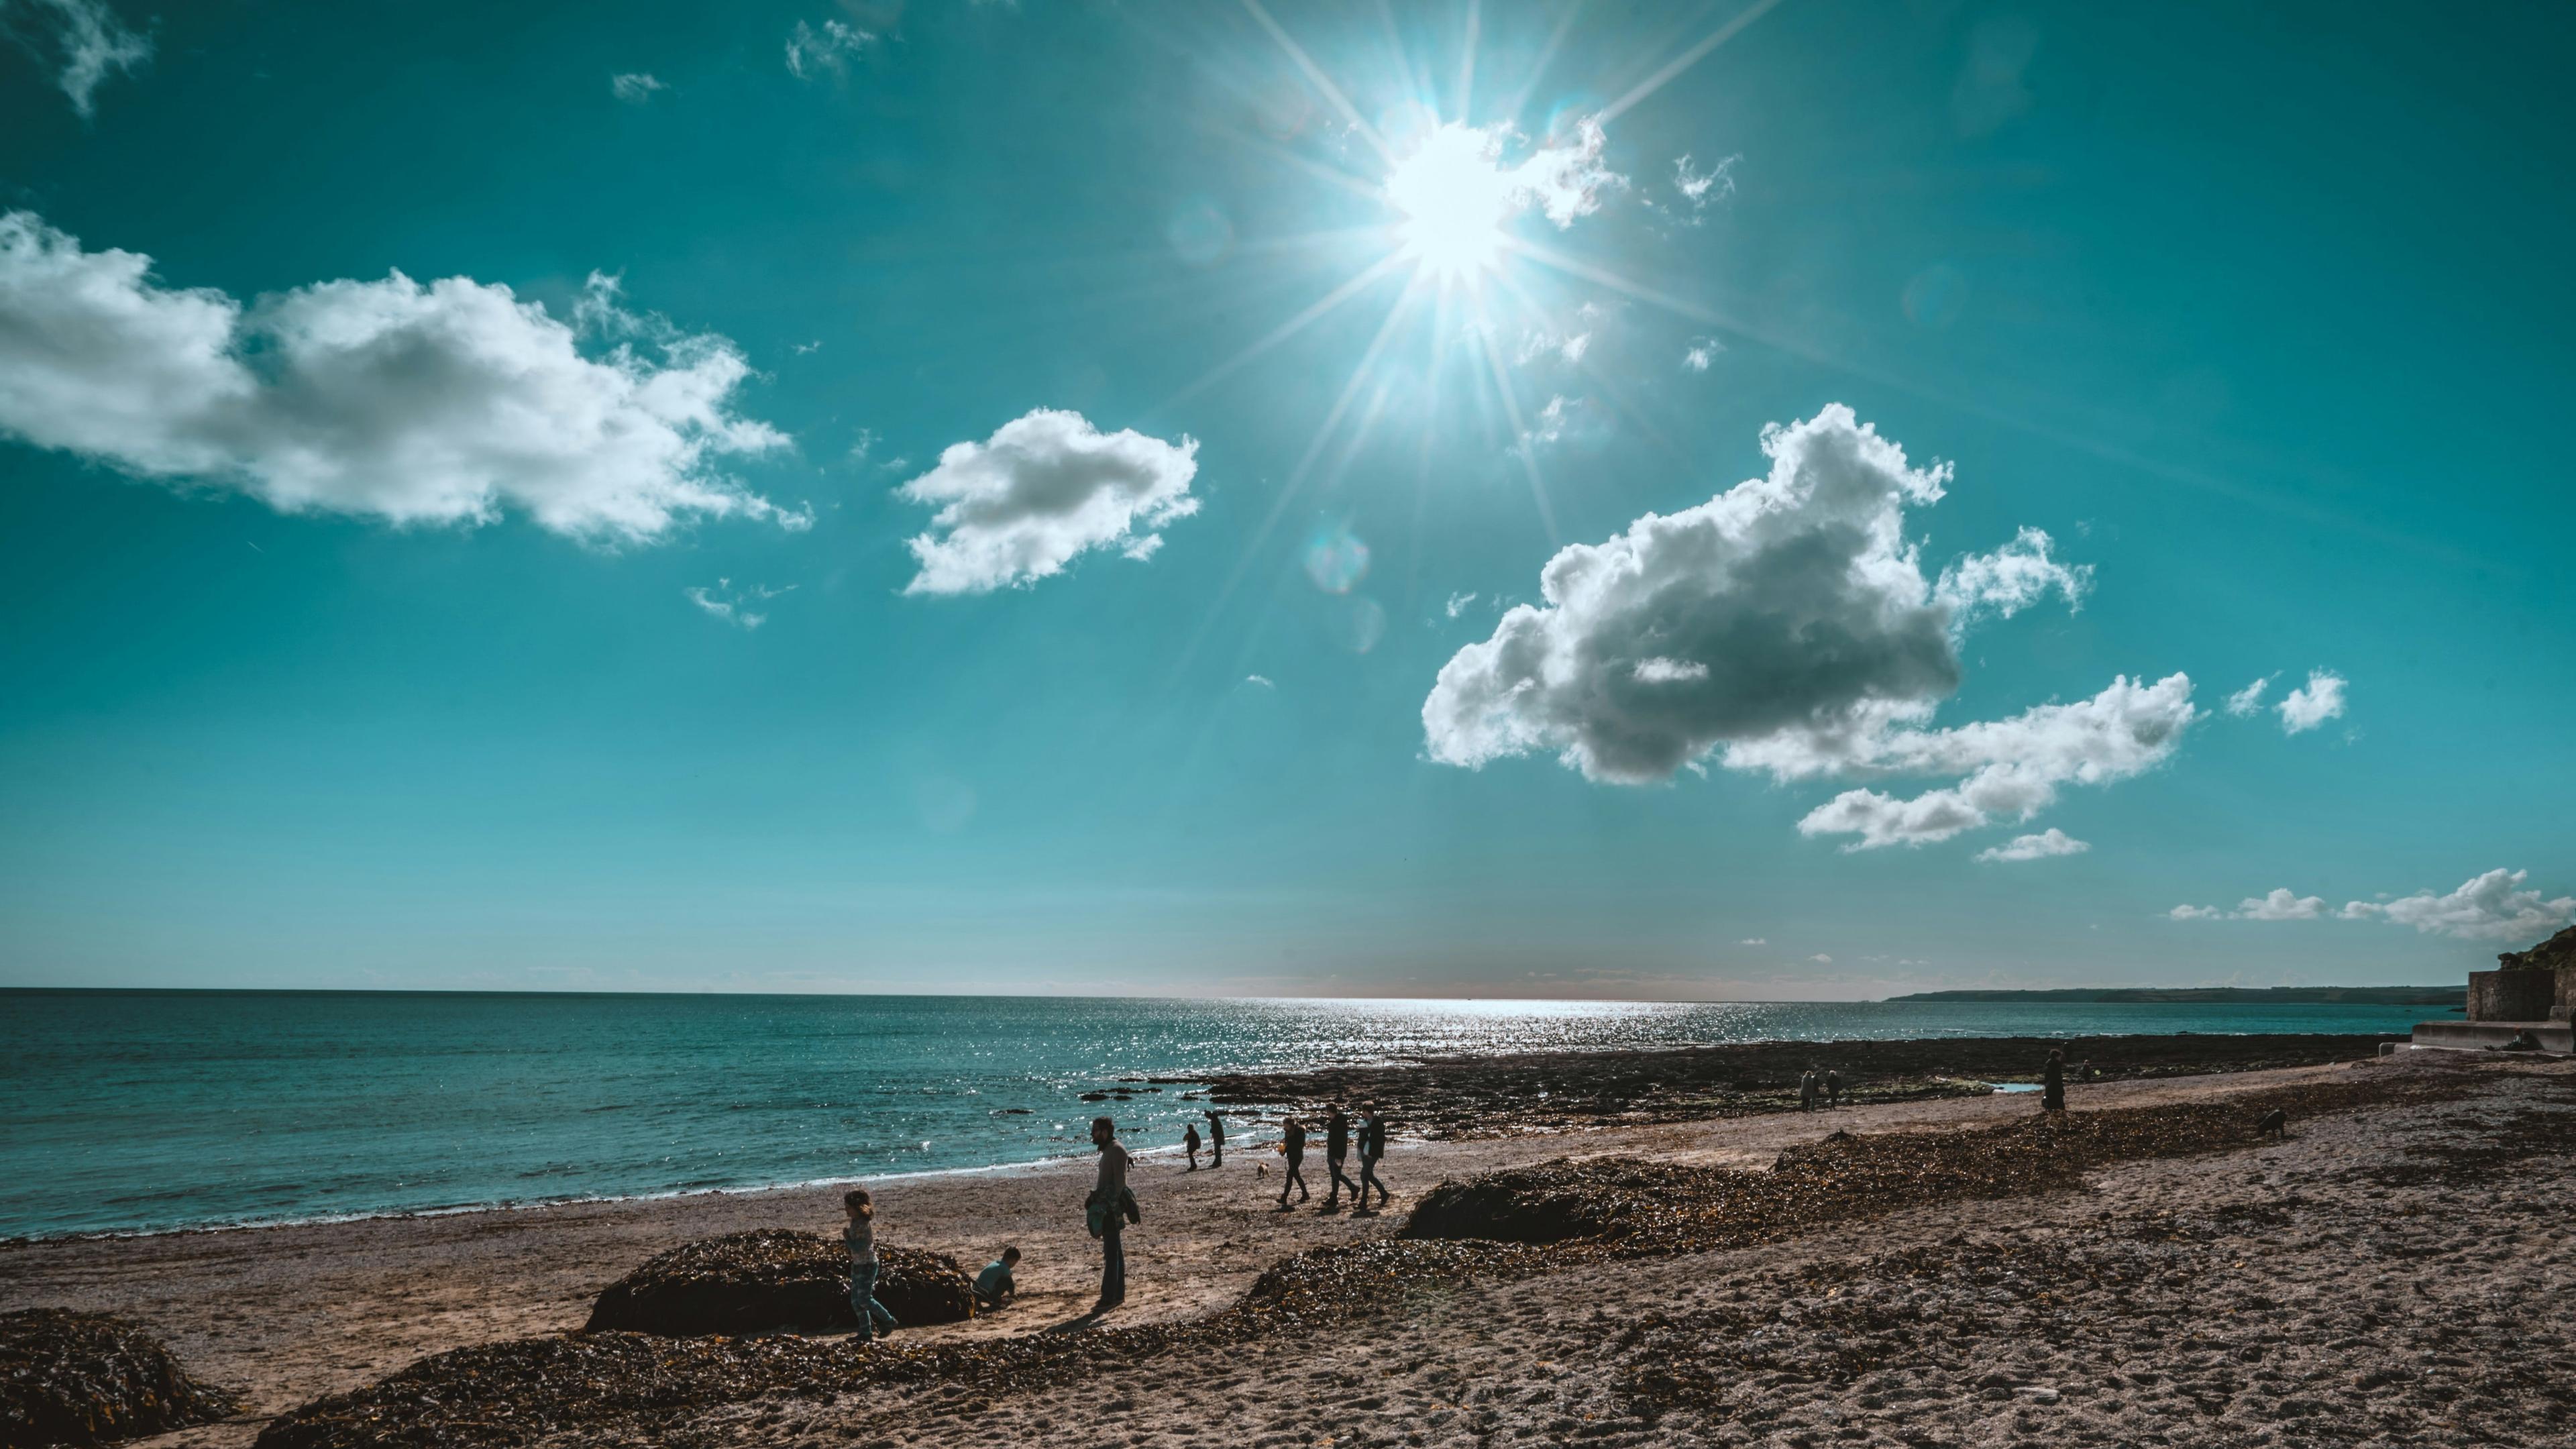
<point x="2051" y="841"/>
<point x="1797" y="633"/>
<point x="732" y="605"/>
<point x="2491" y="906"/>
<point x="802" y="349"/>
<point x="1458" y="603"/>
<point x="2197" y="913"/>
<point x="1567" y="178"/>
<point x="1754" y="941"/>
<point x="1564" y="419"/>
<point x="1262" y="680"/>
<point x="2010" y="579"/>
<point x="81" y="40"/>
<point x="1821" y="959"/>
<point x="1701" y="353"/>
<point x="830" y="48"/>
<point x="1044" y="489"/>
<point x="2249" y="699"/>
<point x="1699" y="188"/>
<point x="2320" y="700"/>
<point x="2280" y="905"/>
<point x="635" y="88"/>
<point x="451" y="402"/>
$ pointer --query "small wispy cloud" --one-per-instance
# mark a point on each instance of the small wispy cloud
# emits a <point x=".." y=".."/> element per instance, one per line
<point x="2249" y="699"/>
<point x="635" y="87"/>
<point x="733" y="605"/>
<point x="1262" y="680"/>
<point x="82" y="40"/>
<point x="2312" y="704"/>
<point x="810" y="50"/>
<point x="1699" y="188"/>
<point x="803" y="349"/>
<point x="2051" y="841"/>
<point x="1458" y="604"/>
<point x="1754" y="941"/>
<point x="1701" y="352"/>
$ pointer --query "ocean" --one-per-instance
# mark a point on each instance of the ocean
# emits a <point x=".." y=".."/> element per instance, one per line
<point x="143" y="1111"/>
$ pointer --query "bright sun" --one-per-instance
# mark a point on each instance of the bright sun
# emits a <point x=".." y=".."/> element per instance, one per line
<point x="1454" y="201"/>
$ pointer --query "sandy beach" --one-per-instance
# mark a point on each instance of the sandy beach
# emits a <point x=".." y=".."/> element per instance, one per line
<point x="2394" y="1272"/>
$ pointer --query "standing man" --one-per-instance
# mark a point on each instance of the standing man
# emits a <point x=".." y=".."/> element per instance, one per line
<point x="1216" y="1139"/>
<point x="1292" y="1141"/>
<point x="1337" y="1146"/>
<point x="1807" y="1091"/>
<point x="1106" y="1212"/>
<point x="1833" y="1087"/>
<point x="1372" y="1147"/>
<point x="2052" y="1082"/>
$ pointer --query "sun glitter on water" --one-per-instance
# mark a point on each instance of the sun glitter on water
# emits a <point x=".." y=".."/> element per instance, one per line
<point x="1454" y="200"/>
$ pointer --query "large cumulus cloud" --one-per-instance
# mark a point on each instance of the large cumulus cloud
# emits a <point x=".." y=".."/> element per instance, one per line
<point x="1786" y="626"/>
<point x="446" y="402"/>
<point x="1043" y="490"/>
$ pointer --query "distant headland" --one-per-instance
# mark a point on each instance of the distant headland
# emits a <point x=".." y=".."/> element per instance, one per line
<point x="2287" y="995"/>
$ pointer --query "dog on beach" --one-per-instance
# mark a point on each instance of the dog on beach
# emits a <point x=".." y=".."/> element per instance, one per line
<point x="2274" y="1124"/>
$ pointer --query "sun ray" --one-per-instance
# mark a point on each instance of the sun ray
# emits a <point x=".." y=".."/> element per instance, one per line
<point x="1374" y="273"/>
<point x="1618" y="398"/>
<point x="1538" y="65"/>
<point x="1289" y="488"/>
<point x="1467" y="62"/>
<point x="1520" y="431"/>
<point x="1687" y="59"/>
<point x="1315" y="76"/>
<point x="1575" y="267"/>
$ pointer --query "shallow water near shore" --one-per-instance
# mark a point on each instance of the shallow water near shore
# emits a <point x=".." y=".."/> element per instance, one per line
<point x="153" y="1111"/>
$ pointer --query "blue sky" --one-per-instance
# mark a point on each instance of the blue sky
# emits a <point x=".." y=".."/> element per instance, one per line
<point x="1061" y="497"/>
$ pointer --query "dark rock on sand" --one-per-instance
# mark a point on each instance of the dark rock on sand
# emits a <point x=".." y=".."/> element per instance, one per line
<point x="87" y="1378"/>
<point x="775" y="1280"/>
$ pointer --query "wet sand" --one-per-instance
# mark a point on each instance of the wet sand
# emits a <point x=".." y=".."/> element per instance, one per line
<point x="2347" y="1217"/>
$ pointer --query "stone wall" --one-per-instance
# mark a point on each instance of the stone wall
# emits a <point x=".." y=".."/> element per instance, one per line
<point x="2521" y="995"/>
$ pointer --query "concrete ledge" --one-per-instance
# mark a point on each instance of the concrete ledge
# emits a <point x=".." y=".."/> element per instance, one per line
<point x="2555" y="1036"/>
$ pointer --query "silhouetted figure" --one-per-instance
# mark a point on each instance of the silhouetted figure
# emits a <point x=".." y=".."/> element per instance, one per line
<point x="1292" y="1145"/>
<point x="860" y="1237"/>
<point x="1190" y="1144"/>
<point x="1372" y="1148"/>
<point x="2052" y="1083"/>
<point x="2276" y="1123"/>
<point x="1807" y="1090"/>
<point x="1337" y="1147"/>
<point x="1108" y="1211"/>
<point x="1216" y="1140"/>
<point x="1833" y="1087"/>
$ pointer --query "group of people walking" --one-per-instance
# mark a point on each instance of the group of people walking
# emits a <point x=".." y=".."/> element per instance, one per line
<point x="1337" y="1151"/>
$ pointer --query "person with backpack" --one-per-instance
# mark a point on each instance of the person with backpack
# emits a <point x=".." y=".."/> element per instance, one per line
<point x="1108" y="1211"/>
<point x="1372" y="1149"/>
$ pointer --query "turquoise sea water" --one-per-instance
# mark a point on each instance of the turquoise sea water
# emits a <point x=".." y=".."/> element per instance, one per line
<point x="142" y="1111"/>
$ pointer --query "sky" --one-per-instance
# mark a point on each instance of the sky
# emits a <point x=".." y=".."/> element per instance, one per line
<point x="1805" y="499"/>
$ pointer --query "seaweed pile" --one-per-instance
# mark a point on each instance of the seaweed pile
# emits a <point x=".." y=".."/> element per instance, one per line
<point x="1639" y="1207"/>
<point x="608" y="1385"/>
<point x="775" y="1280"/>
<point x="86" y="1378"/>
<point x="1550" y="1091"/>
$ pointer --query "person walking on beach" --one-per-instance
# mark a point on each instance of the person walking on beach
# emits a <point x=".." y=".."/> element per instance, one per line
<point x="2052" y="1082"/>
<point x="1190" y="1144"/>
<point x="1807" y="1091"/>
<point x="1292" y="1146"/>
<point x="1106" y="1212"/>
<point x="1216" y="1139"/>
<point x="860" y="1237"/>
<point x="1833" y="1087"/>
<point x="1372" y="1147"/>
<point x="1337" y="1147"/>
<point x="995" y="1285"/>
